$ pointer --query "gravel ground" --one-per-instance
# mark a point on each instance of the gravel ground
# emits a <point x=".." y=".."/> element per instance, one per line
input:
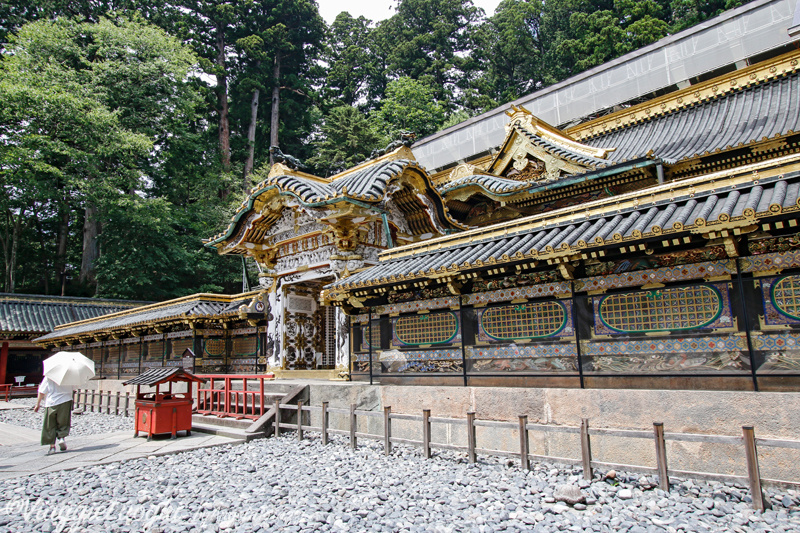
<point x="82" y="425"/>
<point x="285" y="485"/>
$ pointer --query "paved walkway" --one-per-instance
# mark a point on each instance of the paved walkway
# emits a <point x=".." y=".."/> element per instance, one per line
<point x="10" y="405"/>
<point x="22" y="455"/>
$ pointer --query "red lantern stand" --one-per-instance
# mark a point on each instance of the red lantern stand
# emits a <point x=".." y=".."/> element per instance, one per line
<point x="163" y="412"/>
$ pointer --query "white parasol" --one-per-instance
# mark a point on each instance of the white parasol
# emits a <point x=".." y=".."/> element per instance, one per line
<point x="69" y="368"/>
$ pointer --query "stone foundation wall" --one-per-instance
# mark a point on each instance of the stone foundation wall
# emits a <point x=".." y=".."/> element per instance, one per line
<point x="773" y="414"/>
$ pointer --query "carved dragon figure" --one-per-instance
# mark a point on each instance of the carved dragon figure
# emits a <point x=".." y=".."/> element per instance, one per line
<point x="288" y="160"/>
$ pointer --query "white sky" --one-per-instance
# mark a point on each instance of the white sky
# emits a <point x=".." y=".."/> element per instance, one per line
<point x="376" y="10"/>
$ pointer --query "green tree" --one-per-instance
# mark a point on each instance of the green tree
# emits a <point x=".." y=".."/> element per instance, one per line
<point x="510" y="50"/>
<point x="687" y="13"/>
<point x="94" y="104"/>
<point x="352" y="62"/>
<point x="347" y="139"/>
<point x="431" y="41"/>
<point x="409" y="105"/>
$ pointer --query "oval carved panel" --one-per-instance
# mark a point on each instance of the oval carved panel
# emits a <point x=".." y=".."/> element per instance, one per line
<point x="433" y="328"/>
<point x="526" y="321"/>
<point x="671" y="309"/>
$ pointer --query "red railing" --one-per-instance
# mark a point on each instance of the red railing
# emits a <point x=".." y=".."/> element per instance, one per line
<point x="229" y="395"/>
<point x="5" y="389"/>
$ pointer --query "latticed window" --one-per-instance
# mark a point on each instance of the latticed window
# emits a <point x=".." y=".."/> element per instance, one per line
<point x="179" y="346"/>
<point x="155" y="350"/>
<point x="214" y="347"/>
<point x="329" y="357"/>
<point x="785" y="294"/>
<point x="244" y="346"/>
<point x="433" y="328"/>
<point x="130" y="352"/>
<point x="524" y="321"/>
<point x="371" y="337"/>
<point x="661" y="310"/>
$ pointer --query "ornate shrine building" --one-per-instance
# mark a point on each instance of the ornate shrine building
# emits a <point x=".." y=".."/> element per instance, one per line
<point x="304" y="232"/>
<point x="655" y="246"/>
<point x="25" y="317"/>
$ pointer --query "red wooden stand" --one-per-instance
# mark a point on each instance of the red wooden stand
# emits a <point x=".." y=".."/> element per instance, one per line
<point x="162" y="412"/>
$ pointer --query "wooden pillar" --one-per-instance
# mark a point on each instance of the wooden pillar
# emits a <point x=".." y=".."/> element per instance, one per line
<point x="471" y="437"/>
<point x="277" y="418"/>
<point x="661" y="456"/>
<point x="353" y="426"/>
<point x="300" y="420"/>
<point x="426" y="433"/>
<point x="586" y="449"/>
<point x="3" y="362"/>
<point x="524" y="445"/>
<point x="387" y="430"/>
<point x="760" y="502"/>
<point x="324" y="423"/>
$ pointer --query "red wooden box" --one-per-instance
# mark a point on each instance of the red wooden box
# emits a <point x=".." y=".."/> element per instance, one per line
<point x="163" y="413"/>
<point x="160" y="411"/>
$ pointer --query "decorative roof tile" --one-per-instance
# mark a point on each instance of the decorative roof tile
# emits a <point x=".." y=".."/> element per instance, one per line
<point x="644" y="219"/>
<point x="751" y="114"/>
<point x="20" y="313"/>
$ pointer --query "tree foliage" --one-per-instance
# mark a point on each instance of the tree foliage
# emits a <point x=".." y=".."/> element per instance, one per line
<point x="348" y="137"/>
<point x="129" y="128"/>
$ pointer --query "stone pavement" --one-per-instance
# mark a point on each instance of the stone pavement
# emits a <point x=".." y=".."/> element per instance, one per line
<point x="22" y="455"/>
<point x="10" y="405"/>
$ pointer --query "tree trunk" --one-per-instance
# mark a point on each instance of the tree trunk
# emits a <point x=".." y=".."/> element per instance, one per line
<point x="10" y="247"/>
<point x="276" y="100"/>
<point x="14" y="247"/>
<point x="61" y="250"/>
<point x="90" y="249"/>
<point x="222" y="101"/>
<point x="251" y="138"/>
<point x="44" y="255"/>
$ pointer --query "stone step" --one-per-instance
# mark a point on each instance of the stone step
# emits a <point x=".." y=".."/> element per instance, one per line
<point x="226" y="431"/>
<point x="227" y="422"/>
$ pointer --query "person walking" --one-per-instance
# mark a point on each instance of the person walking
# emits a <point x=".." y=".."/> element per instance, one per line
<point x="57" y="413"/>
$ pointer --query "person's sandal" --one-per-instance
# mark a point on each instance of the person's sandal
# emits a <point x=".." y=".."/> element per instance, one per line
<point x="63" y="445"/>
<point x="52" y="449"/>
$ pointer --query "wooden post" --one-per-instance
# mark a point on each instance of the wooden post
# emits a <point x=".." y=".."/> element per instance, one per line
<point x="85" y="397"/>
<point x="116" y="404"/>
<point x="661" y="456"/>
<point x="523" y="442"/>
<point x="426" y="433"/>
<point x="324" y="423"/>
<point x="91" y="405"/>
<point x="127" y="404"/>
<point x="760" y="502"/>
<point x="387" y="430"/>
<point x="76" y="396"/>
<point x="108" y="403"/>
<point x="353" y="426"/>
<point x="277" y="418"/>
<point x="586" y="449"/>
<point x="300" y="420"/>
<point x="471" y="437"/>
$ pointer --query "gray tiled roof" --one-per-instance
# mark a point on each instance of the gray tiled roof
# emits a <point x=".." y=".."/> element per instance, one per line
<point x="558" y="150"/>
<point x="192" y="308"/>
<point x="741" y="117"/>
<point x="157" y="376"/>
<point x="21" y="313"/>
<point x="647" y="220"/>
<point x="491" y="184"/>
<point x="368" y="183"/>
